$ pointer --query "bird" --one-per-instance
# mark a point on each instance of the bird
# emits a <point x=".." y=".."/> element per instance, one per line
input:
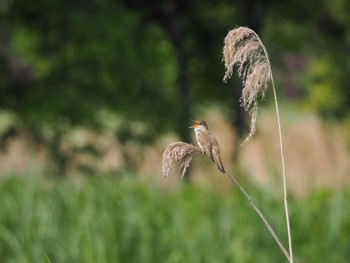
<point x="208" y="144"/>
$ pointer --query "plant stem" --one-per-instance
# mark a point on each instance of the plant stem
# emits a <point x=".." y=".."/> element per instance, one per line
<point x="282" y="154"/>
<point x="269" y="227"/>
<point x="283" y="173"/>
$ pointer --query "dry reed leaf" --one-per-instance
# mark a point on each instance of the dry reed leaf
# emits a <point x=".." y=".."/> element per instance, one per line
<point x="178" y="155"/>
<point x="243" y="48"/>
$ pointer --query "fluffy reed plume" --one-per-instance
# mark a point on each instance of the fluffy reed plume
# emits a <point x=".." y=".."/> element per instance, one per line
<point x="178" y="154"/>
<point x="244" y="49"/>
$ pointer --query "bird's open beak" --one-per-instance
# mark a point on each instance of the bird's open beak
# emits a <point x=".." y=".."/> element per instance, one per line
<point x="195" y="124"/>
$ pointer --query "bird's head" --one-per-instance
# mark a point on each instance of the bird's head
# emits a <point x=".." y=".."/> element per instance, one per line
<point x="199" y="126"/>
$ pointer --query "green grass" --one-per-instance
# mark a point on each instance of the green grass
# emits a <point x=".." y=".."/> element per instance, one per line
<point x="109" y="220"/>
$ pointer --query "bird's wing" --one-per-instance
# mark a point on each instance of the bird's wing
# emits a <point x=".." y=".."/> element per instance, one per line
<point x="205" y="138"/>
<point x="211" y="148"/>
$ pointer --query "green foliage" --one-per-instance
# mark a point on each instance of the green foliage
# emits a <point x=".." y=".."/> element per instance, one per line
<point x="84" y="61"/>
<point x="106" y="220"/>
<point x="327" y="89"/>
<point x="324" y="96"/>
<point x="64" y="65"/>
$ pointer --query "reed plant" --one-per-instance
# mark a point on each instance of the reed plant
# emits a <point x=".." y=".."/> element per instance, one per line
<point x="244" y="49"/>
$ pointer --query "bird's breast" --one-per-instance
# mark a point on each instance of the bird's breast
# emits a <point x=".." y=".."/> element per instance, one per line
<point x="203" y="139"/>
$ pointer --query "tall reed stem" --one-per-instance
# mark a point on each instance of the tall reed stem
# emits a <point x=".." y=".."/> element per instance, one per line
<point x="282" y="156"/>
<point x="283" y="174"/>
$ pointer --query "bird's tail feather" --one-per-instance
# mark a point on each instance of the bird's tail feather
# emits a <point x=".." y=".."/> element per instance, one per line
<point x="218" y="162"/>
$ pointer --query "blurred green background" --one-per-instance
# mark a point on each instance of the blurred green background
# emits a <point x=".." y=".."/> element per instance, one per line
<point x="91" y="93"/>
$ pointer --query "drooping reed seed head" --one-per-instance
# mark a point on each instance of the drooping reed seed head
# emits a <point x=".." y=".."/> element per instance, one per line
<point x="243" y="48"/>
<point x="178" y="155"/>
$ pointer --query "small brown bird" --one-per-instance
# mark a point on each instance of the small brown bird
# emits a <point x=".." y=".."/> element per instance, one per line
<point x="208" y="143"/>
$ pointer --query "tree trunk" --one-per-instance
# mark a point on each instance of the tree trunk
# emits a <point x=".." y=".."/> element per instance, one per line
<point x="184" y="95"/>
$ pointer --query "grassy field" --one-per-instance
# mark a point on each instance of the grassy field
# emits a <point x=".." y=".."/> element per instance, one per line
<point x="126" y="220"/>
